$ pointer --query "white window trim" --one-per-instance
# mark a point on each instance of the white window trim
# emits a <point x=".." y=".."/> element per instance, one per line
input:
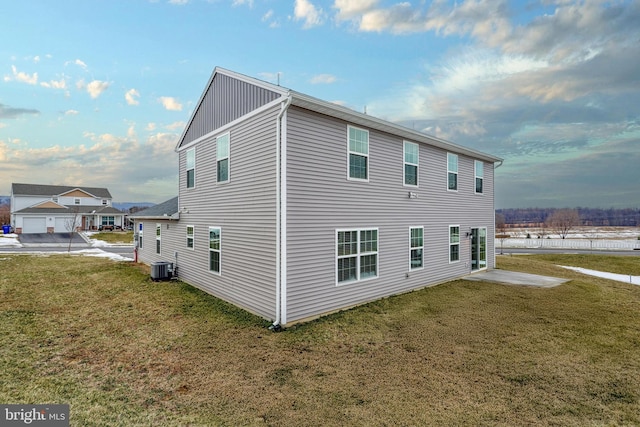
<point x="192" y="236"/>
<point x="349" y="152"/>
<point x="357" y="255"/>
<point x="219" y="251"/>
<point x="475" y="170"/>
<point x="405" y="163"/>
<point x="187" y="168"/>
<point x="140" y="234"/>
<point x="228" y="157"/>
<point x="453" y="244"/>
<point x="456" y="171"/>
<point x="417" y="247"/>
<point x="158" y="238"/>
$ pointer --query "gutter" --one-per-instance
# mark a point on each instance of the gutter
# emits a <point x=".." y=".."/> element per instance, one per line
<point x="281" y="215"/>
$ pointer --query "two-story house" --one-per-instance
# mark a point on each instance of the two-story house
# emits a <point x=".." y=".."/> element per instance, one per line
<point x="60" y="209"/>
<point x="293" y="207"/>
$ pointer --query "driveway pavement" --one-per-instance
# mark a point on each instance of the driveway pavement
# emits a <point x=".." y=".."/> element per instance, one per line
<point x="506" y="277"/>
<point x="52" y="240"/>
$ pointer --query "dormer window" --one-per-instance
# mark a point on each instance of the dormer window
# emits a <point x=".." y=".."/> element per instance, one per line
<point x="76" y="201"/>
<point x="105" y="202"/>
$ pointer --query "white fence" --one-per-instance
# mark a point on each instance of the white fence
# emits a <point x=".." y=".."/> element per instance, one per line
<point x="578" y="244"/>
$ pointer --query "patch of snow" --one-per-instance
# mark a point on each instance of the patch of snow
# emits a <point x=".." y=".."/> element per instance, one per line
<point x="99" y="253"/>
<point x="626" y="278"/>
<point x="9" y="240"/>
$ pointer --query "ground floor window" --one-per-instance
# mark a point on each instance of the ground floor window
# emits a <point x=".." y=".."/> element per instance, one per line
<point x="356" y="254"/>
<point x="454" y="243"/>
<point x="140" y="236"/>
<point x="190" y="232"/>
<point x="158" y="236"/>
<point x="108" y="220"/>
<point x="215" y="252"/>
<point x="416" y="245"/>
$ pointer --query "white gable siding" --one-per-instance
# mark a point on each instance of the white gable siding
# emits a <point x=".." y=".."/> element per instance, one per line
<point x="321" y="200"/>
<point x="245" y="210"/>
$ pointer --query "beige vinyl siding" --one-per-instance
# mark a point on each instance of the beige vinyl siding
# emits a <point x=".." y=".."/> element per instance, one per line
<point x="245" y="210"/>
<point x="321" y="199"/>
<point x="172" y="231"/>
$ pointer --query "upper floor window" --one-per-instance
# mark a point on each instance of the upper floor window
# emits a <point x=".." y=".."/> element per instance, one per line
<point x="411" y="162"/>
<point x="222" y="150"/>
<point x="55" y="199"/>
<point x="358" y="153"/>
<point x="105" y="202"/>
<point x="191" y="168"/>
<point x="452" y="172"/>
<point x="76" y="201"/>
<point x="454" y="243"/>
<point x="479" y="166"/>
<point x="357" y="255"/>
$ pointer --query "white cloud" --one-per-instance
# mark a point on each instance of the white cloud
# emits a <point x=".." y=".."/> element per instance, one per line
<point x="348" y="9"/>
<point x="21" y="76"/>
<point x="71" y="113"/>
<point x="77" y="62"/>
<point x="133" y="169"/>
<point x="131" y="96"/>
<point x="96" y="87"/>
<point x="151" y="126"/>
<point x="55" y="84"/>
<point x="305" y="11"/>
<point x="323" y="79"/>
<point x="170" y="103"/>
<point x="178" y="2"/>
<point x="176" y="126"/>
<point x="242" y="2"/>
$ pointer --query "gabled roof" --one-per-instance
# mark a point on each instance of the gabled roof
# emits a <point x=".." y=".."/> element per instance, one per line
<point x="334" y="110"/>
<point x="55" y="190"/>
<point x="164" y="210"/>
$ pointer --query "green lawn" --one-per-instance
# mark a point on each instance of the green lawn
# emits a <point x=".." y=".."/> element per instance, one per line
<point x="114" y="236"/>
<point x="123" y="350"/>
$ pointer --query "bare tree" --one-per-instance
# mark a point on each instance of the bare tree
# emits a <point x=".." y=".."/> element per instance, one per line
<point x="501" y="226"/>
<point x="71" y="225"/>
<point x="5" y="214"/>
<point x="563" y="220"/>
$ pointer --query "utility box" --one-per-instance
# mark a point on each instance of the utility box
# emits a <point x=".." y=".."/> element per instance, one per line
<point x="161" y="270"/>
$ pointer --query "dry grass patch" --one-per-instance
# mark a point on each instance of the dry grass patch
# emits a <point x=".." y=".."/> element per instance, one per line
<point x="124" y="350"/>
<point x="114" y="236"/>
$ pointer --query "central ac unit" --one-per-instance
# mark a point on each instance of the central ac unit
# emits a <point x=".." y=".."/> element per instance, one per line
<point x="161" y="270"/>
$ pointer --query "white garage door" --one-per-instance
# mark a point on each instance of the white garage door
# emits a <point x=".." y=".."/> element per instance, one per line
<point x="61" y="225"/>
<point x="34" y="225"/>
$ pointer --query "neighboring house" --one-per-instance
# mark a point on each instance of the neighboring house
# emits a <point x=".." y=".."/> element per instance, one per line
<point x="293" y="207"/>
<point x="59" y="209"/>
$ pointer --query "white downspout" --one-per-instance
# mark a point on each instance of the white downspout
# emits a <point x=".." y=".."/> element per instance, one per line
<point x="281" y="215"/>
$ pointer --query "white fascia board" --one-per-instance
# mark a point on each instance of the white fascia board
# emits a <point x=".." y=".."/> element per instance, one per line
<point x="225" y="128"/>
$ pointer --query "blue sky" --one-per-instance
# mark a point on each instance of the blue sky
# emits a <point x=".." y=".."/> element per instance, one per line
<point x="97" y="93"/>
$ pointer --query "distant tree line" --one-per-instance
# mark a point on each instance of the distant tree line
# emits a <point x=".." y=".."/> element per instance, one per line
<point x="628" y="217"/>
